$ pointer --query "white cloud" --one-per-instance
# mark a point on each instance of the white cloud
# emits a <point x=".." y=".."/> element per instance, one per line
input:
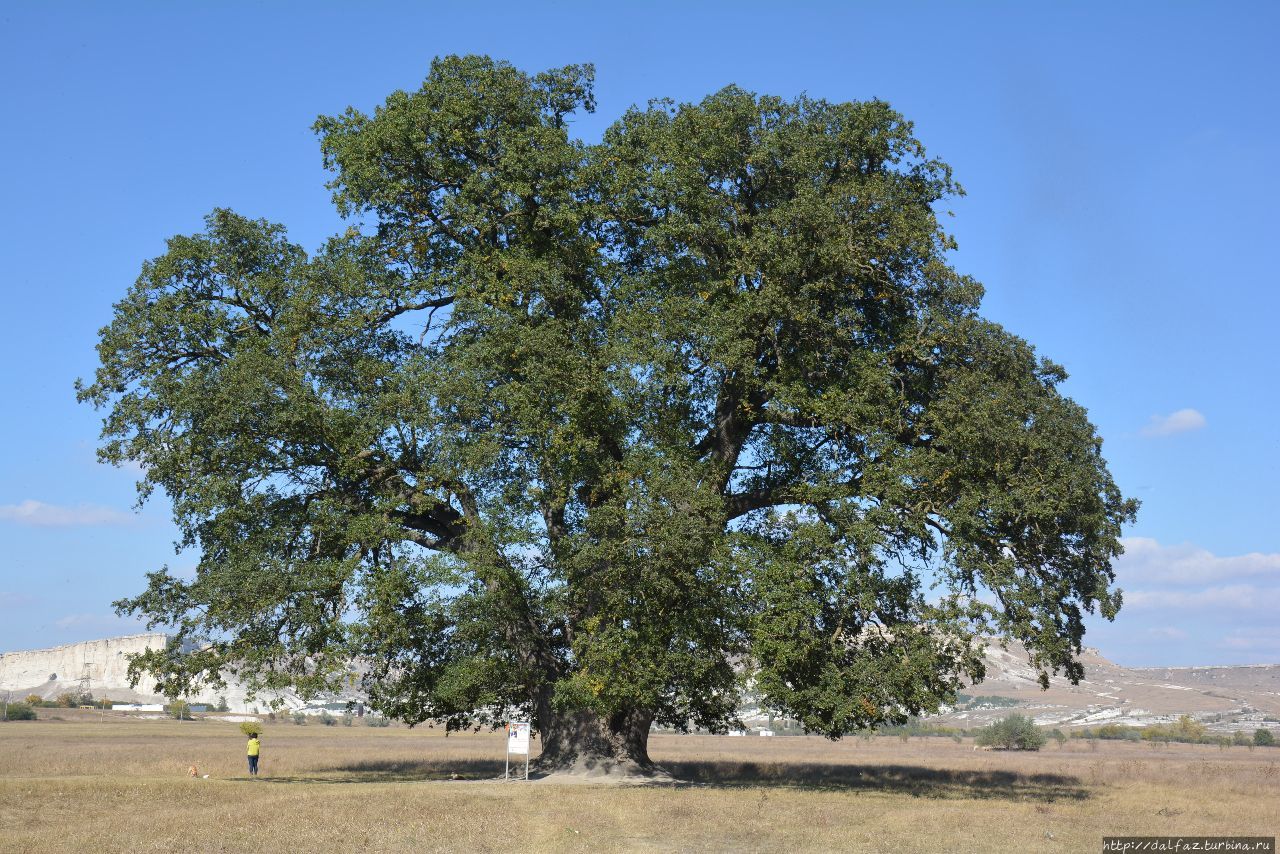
<point x="1182" y="421"/>
<point x="1252" y="639"/>
<point x="1232" y="597"/>
<point x="1185" y="605"/>
<point x="109" y="622"/>
<point x="39" y="514"/>
<point x="1145" y="560"/>
<point x="14" y="600"/>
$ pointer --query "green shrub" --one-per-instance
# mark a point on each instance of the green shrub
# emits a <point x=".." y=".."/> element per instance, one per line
<point x="298" y="718"/>
<point x="179" y="709"/>
<point x="1186" y="729"/>
<point x="347" y="718"/>
<point x="19" y="712"/>
<point x="1015" y="732"/>
<point x="1263" y="738"/>
<point x="1240" y="738"/>
<point x="376" y="721"/>
<point x="965" y="701"/>
<point x="327" y="719"/>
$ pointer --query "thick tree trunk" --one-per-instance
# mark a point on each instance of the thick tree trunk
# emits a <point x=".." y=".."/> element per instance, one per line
<point x="587" y="744"/>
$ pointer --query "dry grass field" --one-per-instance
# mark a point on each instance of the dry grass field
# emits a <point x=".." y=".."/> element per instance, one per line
<point x="115" y="784"/>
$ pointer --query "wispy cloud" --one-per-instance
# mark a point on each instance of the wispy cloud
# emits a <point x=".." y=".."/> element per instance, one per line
<point x="1252" y="639"/>
<point x="1182" y="421"/>
<point x="15" y="600"/>
<point x="1147" y="560"/>
<point x="39" y="514"/>
<point x="106" y="622"/>
<point x="1186" y="605"/>
<point x="1231" y="597"/>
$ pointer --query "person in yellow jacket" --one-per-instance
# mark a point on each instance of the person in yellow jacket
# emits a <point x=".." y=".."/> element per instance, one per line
<point x="255" y="749"/>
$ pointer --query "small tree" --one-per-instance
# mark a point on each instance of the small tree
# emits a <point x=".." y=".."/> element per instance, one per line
<point x="222" y="705"/>
<point x="1263" y="738"/>
<point x="66" y="700"/>
<point x="19" y="712"/>
<point x="1240" y="739"/>
<point x="179" y="709"/>
<point x="1015" y="732"/>
<point x="1188" y="729"/>
<point x="34" y="700"/>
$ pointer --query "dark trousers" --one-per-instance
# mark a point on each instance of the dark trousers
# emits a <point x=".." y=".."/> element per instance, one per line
<point x="253" y="765"/>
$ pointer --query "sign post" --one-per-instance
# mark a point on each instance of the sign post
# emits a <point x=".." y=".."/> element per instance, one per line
<point x="517" y="743"/>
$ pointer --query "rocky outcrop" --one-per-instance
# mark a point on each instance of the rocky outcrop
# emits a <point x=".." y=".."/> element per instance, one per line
<point x="102" y="668"/>
<point x="101" y="664"/>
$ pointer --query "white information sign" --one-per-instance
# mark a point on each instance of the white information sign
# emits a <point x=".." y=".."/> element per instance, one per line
<point x="518" y="737"/>
<point x="517" y="743"/>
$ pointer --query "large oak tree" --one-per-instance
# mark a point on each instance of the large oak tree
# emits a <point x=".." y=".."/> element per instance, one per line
<point x="597" y="432"/>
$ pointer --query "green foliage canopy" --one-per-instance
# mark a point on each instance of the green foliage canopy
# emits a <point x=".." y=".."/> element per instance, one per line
<point x="590" y="428"/>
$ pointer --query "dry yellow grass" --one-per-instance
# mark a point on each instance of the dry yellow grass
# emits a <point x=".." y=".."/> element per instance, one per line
<point x="120" y="785"/>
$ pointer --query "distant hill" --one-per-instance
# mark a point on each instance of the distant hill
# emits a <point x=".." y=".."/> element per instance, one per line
<point x="1224" y="698"/>
<point x="101" y="668"/>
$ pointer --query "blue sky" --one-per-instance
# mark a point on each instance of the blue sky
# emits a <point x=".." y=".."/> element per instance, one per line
<point x="1118" y="160"/>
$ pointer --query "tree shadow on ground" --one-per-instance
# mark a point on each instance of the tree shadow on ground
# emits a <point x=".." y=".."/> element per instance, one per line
<point x="401" y="771"/>
<point x="914" y="780"/>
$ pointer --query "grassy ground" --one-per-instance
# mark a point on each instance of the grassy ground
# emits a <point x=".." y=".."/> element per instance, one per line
<point x="116" y="784"/>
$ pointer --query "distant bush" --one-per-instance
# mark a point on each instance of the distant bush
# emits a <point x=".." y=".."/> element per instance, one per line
<point x="298" y="718"/>
<point x="1058" y="736"/>
<point x="965" y="701"/>
<point x="179" y="709"/>
<point x="67" y="700"/>
<point x="1240" y="739"/>
<point x="19" y="712"/>
<point x="34" y="701"/>
<point x="221" y="705"/>
<point x="327" y="719"/>
<point x="347" y="719"/>
<point x="1263" y="738"/>
<point x="1186" y="729"/>
<point x="376" y="721"/>
<point x="915" y="726"/>
<point x="1015" y="732"/>
<point x="1110" y="732"/>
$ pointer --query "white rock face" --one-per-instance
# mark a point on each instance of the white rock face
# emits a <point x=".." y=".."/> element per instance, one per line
<point x="49" y="672"/>
<point x="61" y="669"/>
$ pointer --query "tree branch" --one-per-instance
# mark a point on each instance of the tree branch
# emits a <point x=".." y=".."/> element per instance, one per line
<point x="439" y="302"/>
